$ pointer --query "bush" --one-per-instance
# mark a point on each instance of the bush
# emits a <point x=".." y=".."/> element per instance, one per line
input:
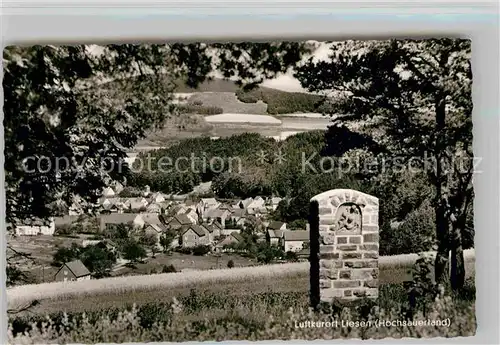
<point x="63" y="230"/>
<point x="230" y="264"/>
<point x="415" y="234"/>
<point x="201" y="250"/>
<point x="200" y="109"/>
<point x="133" y="251"/>
<point x="184" y="250"/>
<point x="291" y="256"/>
<point x="168" y="269"/>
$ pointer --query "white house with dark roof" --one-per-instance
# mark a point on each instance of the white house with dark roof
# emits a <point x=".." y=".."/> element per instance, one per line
<point x="179" y="221"/>
<point x="218" y="215"/>
<point x="231" y="239"/>
<point x="136" y="220"/>
<point x="277" y="225"/>
<point x="72" y="271"/>
<point x="274" y="237"/>
<point x="194" y="235"/>
<point x="293" y="241"/>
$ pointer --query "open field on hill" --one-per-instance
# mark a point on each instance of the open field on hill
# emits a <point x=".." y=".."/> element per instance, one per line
<point x="228" y="102"/>
<point x="141" y="289"/>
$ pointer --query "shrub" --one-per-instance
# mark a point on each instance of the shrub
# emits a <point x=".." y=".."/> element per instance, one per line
<point x="63" y="230"/>
<point x="291" y="256"/>
<point x="184" y="250"/>
<point x="230" y="264"/>
<point x="200" y="109"/>
<point x="168" y="269"/>
<point x="415" y="234"/>
<point x="201" y="250"/>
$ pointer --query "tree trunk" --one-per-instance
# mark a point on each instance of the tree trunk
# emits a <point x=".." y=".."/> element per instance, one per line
<point x="442" y="255"/>
<point x="442" y="225"/>
<point x="457" y="274"/>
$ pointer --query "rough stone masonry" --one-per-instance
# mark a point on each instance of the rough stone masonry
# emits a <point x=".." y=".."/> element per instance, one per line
<point x="344" y="246"/>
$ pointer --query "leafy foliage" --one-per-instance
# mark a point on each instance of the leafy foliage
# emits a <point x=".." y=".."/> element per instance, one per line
<point x="414" y="97"/>
<point x="96" y="258"/>
<point x="59" y="103"/>
<point x="133" y="251"/>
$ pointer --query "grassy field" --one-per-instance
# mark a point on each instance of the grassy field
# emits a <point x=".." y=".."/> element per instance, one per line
<point x="184" y="262"/>
<point x="228" y="102"/>
<point x="139" y="290"/>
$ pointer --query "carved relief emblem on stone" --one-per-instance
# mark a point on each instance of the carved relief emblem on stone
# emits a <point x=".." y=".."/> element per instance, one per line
<point x="348" y="218"/>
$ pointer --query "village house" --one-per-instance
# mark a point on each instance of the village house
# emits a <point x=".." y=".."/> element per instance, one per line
<point x="274" y="237"/>
<point x="194" y="235"/>
<point x="179" y="221"/>
<point x="156" y="197"/>
<point x="258" y="211"/>
<point x="192" y="214"/>
<point x="135" y="204"/>
<point x="293" y="241"/>
<point x="36" y="226"/>
<point x="107" y="202"/>
<point x="217" y="215"/>
<point x="256" y="204"/>
<point x="245" y="203"/>
<point x="108" y="192"/>
<point x="104" y="243"/>
<point x="177" y="209"/>
<point x="154" y="208"/>
<point x="165" y="206"/>
<point x="108" y="220"/>
<point x="151" y="218"/>
<point x="213" y="231"/>
<point x="217" y="225"/>
<point x="156" y="230"/>
<point x="237" y="217"/>
<point x="276" y="225"/>
<point x="72" y="271"/>
<point x="273" y="203"/>
<point x="230" y="240"/>
<point x="227" y="232"/>
<point x="206" y="204"/>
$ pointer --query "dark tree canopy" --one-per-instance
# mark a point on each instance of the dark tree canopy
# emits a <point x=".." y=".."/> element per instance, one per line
<point x="414" y="98"/>
<point x="82" y="107"/>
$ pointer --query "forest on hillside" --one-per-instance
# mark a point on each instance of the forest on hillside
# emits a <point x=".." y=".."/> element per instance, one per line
<point x="249" y="165"/>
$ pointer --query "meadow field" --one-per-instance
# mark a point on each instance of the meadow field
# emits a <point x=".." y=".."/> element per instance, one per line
<point x="245" y="309"/>
<point x="108" y="292"/>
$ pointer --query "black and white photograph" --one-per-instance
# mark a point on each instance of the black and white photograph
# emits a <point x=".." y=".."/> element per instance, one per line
<point x="239" y="190"/>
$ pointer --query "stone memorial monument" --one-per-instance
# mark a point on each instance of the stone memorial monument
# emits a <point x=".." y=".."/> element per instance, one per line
<point x="344" y="246"/>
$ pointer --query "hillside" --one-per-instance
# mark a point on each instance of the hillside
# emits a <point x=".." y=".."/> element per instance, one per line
<point x="219" y="93"/>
